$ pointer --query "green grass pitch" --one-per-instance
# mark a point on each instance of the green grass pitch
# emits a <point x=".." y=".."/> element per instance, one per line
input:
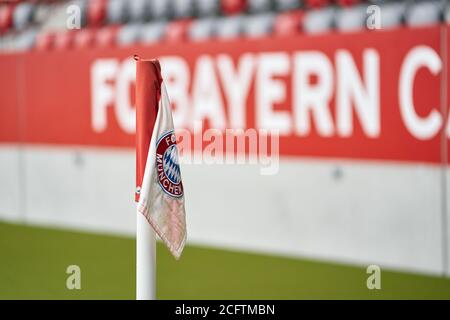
<point x="34" y="261"/>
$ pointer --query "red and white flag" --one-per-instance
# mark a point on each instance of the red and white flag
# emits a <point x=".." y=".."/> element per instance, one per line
<point x="160" y="192"/>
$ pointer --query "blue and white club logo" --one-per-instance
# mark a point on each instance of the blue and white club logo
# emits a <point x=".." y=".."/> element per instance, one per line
<point x="167" y="166"/>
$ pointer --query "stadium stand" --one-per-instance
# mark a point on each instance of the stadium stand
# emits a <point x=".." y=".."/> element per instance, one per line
<point x="42" y="25"/>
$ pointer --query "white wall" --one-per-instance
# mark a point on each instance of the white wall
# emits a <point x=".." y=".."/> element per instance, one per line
<point x="351" y="211"/>
<point x="11" y="204"/>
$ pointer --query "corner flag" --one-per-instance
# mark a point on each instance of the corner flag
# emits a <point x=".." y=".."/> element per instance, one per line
<point x="159" y="189"/>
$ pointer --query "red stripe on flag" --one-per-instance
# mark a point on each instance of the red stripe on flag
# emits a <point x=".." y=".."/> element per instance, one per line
<point x="148" y="91"/>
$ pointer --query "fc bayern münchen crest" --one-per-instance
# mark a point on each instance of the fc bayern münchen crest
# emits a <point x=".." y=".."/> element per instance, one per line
<point x="167" y="167"/>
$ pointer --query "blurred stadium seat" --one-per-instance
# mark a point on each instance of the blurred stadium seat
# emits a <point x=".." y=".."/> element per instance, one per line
<point x="202" y="29"/>
<point x="446" y="15"/>
<point x="425" y="13"/>
<point x="106" y="36"/>
<point x="139" y="10"/>
<point x="288" y="23"/>
<point x="177" y="30"/>
<point x="22" y="15"/>
<point x="229" y="27"/>
<point x="44" y="41"/>
<point x="207" y="7"/>
<point x="258" y="25"/>
<point x="258" y="6"/>
<point x="7" y="43"/>
<point x="128" y="34"/>
<point x="63" y="40"/>
<point x="283" y="5"/>
<point x="182" y="8"/>
<point x="26" y="39"/>
<point x="42" y="12"/>
<point x="319" y="20"/>
<point x="96" y="12"/>
<point x="83" y="38"/>
<point x="55" y="19"/>
<point x="317" y="3"/>
<point x="115" y="11"/>
<point x="230" y="7"/>
<point x="346" y="3"/>
<point x="159" y="9"/>
<point x="6" y="13"/>
<point x="393" y="14"/>
<point x="351" y="18"/>
<point x="152" y="32"/>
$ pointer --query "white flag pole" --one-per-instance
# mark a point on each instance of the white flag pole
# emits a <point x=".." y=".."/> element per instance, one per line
<point x="145" y="259"/>
<point x="146" y="111"/>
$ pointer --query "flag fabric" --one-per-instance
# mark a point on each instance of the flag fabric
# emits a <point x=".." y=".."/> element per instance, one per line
<point x="161" y="195"/>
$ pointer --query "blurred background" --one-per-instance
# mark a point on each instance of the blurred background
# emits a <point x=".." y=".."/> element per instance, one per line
<point x="357" y="89"/>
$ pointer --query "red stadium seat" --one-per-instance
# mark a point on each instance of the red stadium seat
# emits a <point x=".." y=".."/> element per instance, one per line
<point x="45" y="41"/>
<point x="288" y="23"/>
<point x="83" y="38"/>
<point x="177" y="30"/>
<point x="63" y="40"/>
<point x="233" y="6"/>
<point x="6" y="13"/>
<point x="96" y="12"/>
<point x="106" y="36"/>
<point x="347" y="3"/>
<point x="317" y="3"/>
